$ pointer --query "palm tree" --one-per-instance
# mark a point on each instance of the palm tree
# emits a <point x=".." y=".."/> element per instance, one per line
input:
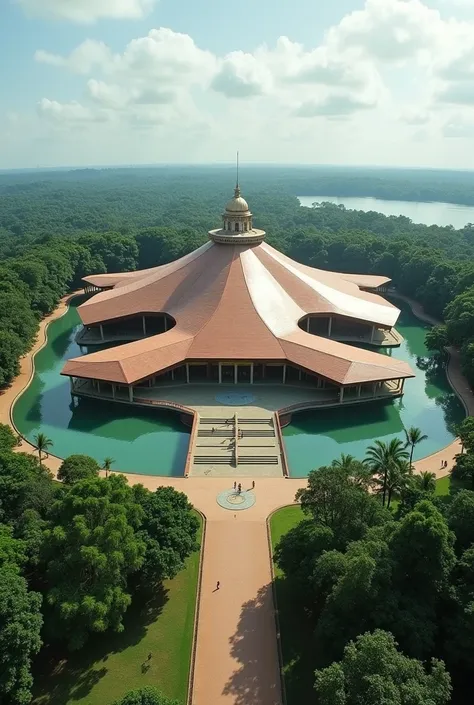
<point x="42" y="443"/>
<point x="345" y="462"/>
<point x="357" y="470"/>
<point x="426" y="481"/>
<point x="398" y="479"/>
<point x="413" y="437"/>
<point x="108" y="462"/>
<point x="383" y="458"/>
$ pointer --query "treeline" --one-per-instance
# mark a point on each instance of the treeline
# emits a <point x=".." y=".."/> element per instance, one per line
<point x="388" y="595"/>
<point x="74" y="556"/>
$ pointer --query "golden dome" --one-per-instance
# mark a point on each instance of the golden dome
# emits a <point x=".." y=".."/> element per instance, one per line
<point x="237" y="204"/>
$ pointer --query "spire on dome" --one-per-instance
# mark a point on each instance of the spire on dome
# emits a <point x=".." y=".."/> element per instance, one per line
<point x="237" y="187"/>
<point x="237" y="223"/>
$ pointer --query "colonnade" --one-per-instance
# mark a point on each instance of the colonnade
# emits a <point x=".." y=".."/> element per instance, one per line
<point x="76" y="383"/>
<point x="329" y="328"/>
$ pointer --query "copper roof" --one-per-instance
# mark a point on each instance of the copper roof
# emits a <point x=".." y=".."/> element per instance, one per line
<point x="237" y="302"/>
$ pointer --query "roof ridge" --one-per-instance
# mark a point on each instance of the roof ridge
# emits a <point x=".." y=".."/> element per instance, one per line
<point x="251" y="252"/>
<point x="229" y="266"/>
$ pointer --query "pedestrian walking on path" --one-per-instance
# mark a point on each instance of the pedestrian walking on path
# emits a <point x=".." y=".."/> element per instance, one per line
<point x="218" y="584"/>
<point x="235" y="485"/>
<point x="253" y="484"/>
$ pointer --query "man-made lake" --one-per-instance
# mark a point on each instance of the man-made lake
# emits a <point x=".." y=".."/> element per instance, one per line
<point x="155" y="442"/>
<point x="427" y="213"/>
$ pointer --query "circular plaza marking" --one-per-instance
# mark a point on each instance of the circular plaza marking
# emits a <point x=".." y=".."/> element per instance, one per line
<point x="231" y="499"/>
<point x="235" y="399"/>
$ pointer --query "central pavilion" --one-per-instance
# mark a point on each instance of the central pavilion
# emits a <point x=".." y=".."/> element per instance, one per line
<point x="237" y="311"/>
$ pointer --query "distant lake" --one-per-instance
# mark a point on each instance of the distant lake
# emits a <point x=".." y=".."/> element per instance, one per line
<point x="427" y="213"/>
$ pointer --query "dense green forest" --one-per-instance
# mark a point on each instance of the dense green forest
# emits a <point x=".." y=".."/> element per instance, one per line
<point x="386" y="594"/>
<point x="57" y="226"/>
<point x="75" y="555"/>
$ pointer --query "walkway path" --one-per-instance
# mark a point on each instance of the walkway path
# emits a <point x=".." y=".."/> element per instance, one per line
<point x="433" y="463"/>
<point x="236" y="654"/>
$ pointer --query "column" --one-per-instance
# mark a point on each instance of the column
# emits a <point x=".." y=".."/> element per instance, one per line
<point x="166" y="324"/>
<point x="130" y="393"/>
<point x="375" y="388"/>
<point x="284" y="374"/>
<point x="144" y="325"/>
<point x="299" y="375"/>
<point x="150" y="382"/>
<point x="307" y="325"/>
<point x="172" y="374"/>
<point x="251" y="373"/>
<point x="220" y="372"/>
<point x="263" y="370"/>
<point x="71" y="384"/>
<point x="113" y="391"/>
<point x="329" y="326"/>
<point x="187" y="373"/>
<point x="403" y="384"/>
<point x="341" y="395"/>
<point x="98" y="386"/>
<point x="236" y="373"/>
<point x="359" y="390"/>
<point x="101" y="331"/>
<point x="372" y="334"/>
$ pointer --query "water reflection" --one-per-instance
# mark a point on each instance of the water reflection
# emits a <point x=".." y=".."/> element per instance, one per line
<point x="141" y="440"/>
<point x="317" y="437"/>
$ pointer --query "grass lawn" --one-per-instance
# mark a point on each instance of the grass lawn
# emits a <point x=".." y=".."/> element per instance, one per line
<point x="111" y="664"/>
<point x="443" y="485"/>
<point x="296" y="630"/>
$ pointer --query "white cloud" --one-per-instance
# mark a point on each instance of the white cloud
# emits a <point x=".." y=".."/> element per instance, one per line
<point x="87" y="56"/>
<point x="459" y="127"/>
<point x="389" y="30"/>
<point x="390" y="64"/>
<point x="88" y="11"/>
<point x="107" y="95"/>
<point x="460" y="93"/>
<point x="415" y="116"/>
<point x="69" y="113"/>
<point x="333" y="106"/>
<point x="166" y="56"/>
<point x="242" y="76"/>
<point x="117" y="97"/>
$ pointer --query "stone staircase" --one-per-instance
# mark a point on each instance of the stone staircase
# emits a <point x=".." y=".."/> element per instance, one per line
<point x="238" y="445"/>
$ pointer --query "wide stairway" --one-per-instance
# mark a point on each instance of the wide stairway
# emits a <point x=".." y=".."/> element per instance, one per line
<point x="239" y="445"/>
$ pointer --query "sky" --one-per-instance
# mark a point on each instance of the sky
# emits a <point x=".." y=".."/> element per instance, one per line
<point x="113" y="82"/>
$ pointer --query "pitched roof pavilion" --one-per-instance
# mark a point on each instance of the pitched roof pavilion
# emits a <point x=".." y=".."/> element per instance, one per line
<point x="237" y="298"/>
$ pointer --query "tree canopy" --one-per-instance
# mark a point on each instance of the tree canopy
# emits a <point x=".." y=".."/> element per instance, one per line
<point x="90" y="549"/>
<point x="145" y="696"/>
<point x="372" y="671"/>
<point x="77" y="467"/>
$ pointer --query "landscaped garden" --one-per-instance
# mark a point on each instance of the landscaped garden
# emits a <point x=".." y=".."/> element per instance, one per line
<point x="114" y="664"/>
<point x="316" y="620"/>
<point x="98" y="584"/>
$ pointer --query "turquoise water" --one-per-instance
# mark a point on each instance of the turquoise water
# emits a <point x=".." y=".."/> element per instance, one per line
<point x="315" y="438"/>
<point x="143" y="441"/>
<point x="155" y="442"/>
